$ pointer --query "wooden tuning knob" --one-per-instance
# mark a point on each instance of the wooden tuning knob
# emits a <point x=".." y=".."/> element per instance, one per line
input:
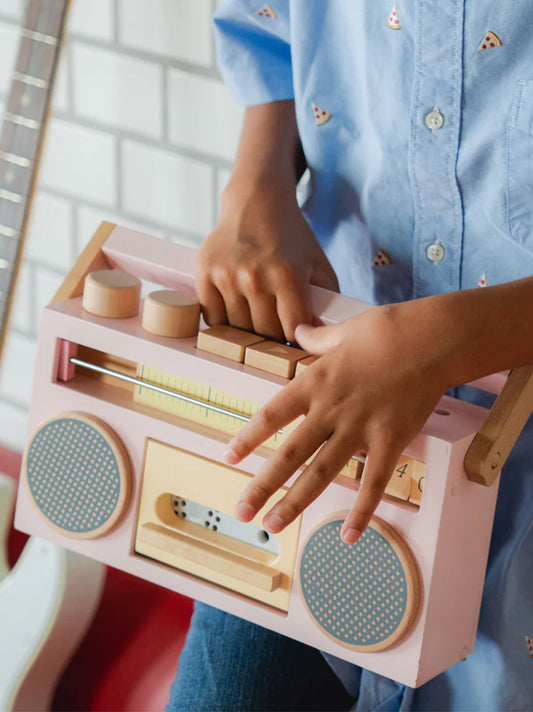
<point x="174" y="313"/>
<point x="111" y="293"/>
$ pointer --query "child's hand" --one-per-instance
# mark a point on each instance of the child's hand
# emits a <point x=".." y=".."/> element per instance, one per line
<point x="373" y="389"/>
<point x="255" y="268"/>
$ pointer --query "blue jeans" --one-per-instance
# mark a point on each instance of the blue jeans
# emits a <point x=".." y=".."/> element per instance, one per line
<point x="231" y="665"/>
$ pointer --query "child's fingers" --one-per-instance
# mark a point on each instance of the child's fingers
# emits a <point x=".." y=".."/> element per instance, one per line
<point x="293" y="303"/>
<point x="212" y="302"/>
<point x="265" y="317"/>
<point x="378" y="469"/>
<point x="280" y="466"/>
<point x="319" y="339"/>
<point x="238" y="311"/>
<point x="286" y="405"/>
<point x="311" y="483"/>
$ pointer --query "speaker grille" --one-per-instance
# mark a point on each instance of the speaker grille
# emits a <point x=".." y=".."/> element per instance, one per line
<point x="364" y="596"/>
<point x="78" y="474"/>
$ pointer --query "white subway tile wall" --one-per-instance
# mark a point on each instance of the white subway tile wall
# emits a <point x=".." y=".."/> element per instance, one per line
<point x="51" y="226"/>
<point x="142" y="133"/>
<point x="21" y="319"/>
<point x="94" y="19"/>
<point x="215" y="132"/>
<point x="11" y="8"/>
<point x="158" y="185"/>
<point x="137" y="86"/>
<point x="176" y="29"/>
<point x="8" y="46"/>
<point x="47" y="282"/>
<point x="80" y="162"/>
<point x="16" y="378"/>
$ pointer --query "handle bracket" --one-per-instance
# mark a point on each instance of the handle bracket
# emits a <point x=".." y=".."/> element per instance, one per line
<point x="491" y="446"/>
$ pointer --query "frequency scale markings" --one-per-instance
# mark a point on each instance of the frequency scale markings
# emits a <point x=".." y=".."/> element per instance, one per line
<point x="200" y="403"/>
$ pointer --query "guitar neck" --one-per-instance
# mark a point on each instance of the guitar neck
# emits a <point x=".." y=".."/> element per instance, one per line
<point x="22" y="136"/>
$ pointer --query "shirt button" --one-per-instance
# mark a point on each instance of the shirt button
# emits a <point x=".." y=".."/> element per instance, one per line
<point x="434" y="119"/>
<point x="435" y="252"/>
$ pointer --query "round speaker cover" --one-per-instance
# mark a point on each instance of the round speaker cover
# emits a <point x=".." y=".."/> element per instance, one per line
<point x="78" y="473"/>
<point x="366" y="595"/>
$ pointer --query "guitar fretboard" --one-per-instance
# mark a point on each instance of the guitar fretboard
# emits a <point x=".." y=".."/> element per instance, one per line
<point x="22" y="135"/>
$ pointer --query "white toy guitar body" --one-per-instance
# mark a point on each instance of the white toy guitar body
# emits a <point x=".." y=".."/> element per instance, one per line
<point x="47" y="601"/>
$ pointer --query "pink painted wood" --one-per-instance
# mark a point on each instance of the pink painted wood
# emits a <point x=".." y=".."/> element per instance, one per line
<point x="449" y="536"/>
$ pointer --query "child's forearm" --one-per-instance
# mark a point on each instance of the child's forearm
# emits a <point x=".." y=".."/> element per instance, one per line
<point x="478" y="331"/>
<point x="254" y="269"/>
<point x="269" y="151"/>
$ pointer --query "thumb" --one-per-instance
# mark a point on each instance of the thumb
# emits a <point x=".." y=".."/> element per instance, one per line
<point x="317" y="339"/>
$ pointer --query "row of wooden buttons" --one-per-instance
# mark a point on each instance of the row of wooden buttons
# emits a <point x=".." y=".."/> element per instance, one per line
<point x="254" y="350"/>
<point x="406" y="482"/>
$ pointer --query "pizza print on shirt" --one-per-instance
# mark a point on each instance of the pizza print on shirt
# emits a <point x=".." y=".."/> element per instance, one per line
<point x="394" y="19"/>
<point x="529" y="643"/>
<point x="321" y="115"/>
<point x="483" y="281"/>
<point x="381" y="259"/>
<point x="267" y="12"/>
<point x="490" y="40"/>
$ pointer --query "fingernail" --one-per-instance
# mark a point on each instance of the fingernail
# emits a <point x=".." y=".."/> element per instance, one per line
<point x="274" y="523"/>
<point x="350" y="535"/>
<point x="230" y="456"/>
<point x="244" y="511"/>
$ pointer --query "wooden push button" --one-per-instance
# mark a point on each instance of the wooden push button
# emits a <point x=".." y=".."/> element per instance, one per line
<point x="111" y="293"/>
<point x="171" y="313"/>
<point x="400" y="483"/>
<point x="352" y="469"/>
<point x="304" y="363"/>
<point x="226" y="341"/>
<point x="274" y="358"/>
<point x="417" y="482"/>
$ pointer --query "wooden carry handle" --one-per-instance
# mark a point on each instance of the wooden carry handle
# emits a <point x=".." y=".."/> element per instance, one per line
<point x="495" y="440"/>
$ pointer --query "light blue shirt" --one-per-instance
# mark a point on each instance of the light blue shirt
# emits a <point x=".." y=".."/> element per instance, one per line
<point x="417" y="128"/>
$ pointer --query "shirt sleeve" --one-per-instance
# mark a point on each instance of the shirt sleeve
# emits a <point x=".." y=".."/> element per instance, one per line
<point x="253" y="50"/>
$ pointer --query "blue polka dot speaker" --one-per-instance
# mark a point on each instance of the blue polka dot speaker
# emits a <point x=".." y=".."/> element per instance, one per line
<point x="123" y="464"/>
<point x="78" y="473"/>
<point x="364" y="597"/>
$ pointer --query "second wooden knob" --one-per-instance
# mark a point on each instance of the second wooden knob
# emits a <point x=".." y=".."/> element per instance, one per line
<point x="171" y="313"/>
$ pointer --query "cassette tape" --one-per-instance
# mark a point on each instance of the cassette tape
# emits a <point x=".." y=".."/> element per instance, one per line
<point x="129" y="416"/>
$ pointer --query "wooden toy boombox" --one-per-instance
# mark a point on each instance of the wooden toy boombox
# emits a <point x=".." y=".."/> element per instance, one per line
<point x="128" y="422"/>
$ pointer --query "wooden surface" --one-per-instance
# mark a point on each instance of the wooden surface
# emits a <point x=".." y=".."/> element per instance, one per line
<point x="91" y="259"/>
<point x="226" y="341"/>
<point x="111" y="293"/>
<point x="305" y="363"/>
<point x="171" y="313"/>
<point x="450" y="532"/>
<point x="201" y="552"/>
<point x="274" y="358"/>
<point x="495" y="440"/>
<point x="236" y="565"/>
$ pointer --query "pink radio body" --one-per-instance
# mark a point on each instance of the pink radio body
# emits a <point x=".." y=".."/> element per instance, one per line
<point x="448" y="535"/>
